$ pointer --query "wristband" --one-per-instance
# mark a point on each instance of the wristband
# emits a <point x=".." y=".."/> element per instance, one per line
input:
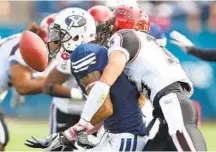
<point x="76" y="94"/>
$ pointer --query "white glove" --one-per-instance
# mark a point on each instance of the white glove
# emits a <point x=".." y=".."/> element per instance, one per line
<point x="181" y="41"/>
<point x="76" y="94"/>
<point x="69" y="136"/>
<point x="59" y="143"/>
<point x="16" y="99"/>
<point x="86" y="141"/>
<point x="3" y="95"/>
<point x="41" y="143"/>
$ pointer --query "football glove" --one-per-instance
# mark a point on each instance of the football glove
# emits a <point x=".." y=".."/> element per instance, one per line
<point x="41" y="143"/>
<point x="69" y="136"/>
<point x="85" y="141"/>
<point x="181" y="41"/>
<point x="59" y="143"/>
<point x="16" y="99"/>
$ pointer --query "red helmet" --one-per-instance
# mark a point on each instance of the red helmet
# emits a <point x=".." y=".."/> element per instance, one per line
<point x="143" y="24"/>
<point x="126" y="17"/>
<point x="103" y="16"/>
<point x="101" y="13"/>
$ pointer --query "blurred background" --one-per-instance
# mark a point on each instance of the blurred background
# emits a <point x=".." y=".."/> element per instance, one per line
<point x="195" y="19"/>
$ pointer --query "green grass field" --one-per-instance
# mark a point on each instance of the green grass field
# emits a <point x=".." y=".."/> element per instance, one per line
<point x="20" y="130"/>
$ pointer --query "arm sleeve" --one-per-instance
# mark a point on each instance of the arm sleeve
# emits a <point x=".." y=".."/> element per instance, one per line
<point x="63" y="66"/>
<point x="126" y="41"/>
<point x="204" y="54"/>
<point x="116" y="44"/>
<point x="17" y="58"/>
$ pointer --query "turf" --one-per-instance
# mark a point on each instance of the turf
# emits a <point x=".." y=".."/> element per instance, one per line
<point x="20" y="130"/>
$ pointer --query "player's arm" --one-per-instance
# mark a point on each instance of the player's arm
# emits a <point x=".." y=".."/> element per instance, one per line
<point x="118" y="57"/>
<point x="53" y="84"/>
<point x="187" y="46"/>
<point x="141" y="101"/>
<point x="204" y="54"/>
<point x="106" y="109"/>
<point x="21" y="79"/>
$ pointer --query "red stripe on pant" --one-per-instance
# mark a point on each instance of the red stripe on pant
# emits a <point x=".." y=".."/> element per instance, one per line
<point x="51" y="118"/>
<point x="198" y="106"/>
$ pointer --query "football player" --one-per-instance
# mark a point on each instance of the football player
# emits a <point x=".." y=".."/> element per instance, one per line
<point x="68" y="99"/>
<point x="102" y="14"/>
<point x="59" y="108"/>
<point x="156" y="73"/>
<point x="15" y="72"/>
<point x="124" y="122"/>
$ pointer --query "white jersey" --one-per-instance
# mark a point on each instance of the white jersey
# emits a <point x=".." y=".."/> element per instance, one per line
<point x="10" y="54"/>
<point x="68" y="106"/>
<point x="8" y="48"/>
<point x="150" y="66"/>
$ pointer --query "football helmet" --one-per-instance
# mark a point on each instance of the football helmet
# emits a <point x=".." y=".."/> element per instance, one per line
<point x="72" y="27"/>
<point x="130" y="17"/>
<point x="103" y="16"/>
<point x="44" y="26"/>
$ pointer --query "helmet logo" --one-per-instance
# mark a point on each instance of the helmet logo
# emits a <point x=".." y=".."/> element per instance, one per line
<point x="75" y="21"/>
<point x="125" y="13"/>
<point x="65" y="56"/>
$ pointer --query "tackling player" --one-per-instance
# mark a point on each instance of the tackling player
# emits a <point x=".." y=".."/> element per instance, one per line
<point x="102" y="14"/>
<point x="156" y="73"/>
<point x="121" y="128"/>
<point x="15" y="72"/>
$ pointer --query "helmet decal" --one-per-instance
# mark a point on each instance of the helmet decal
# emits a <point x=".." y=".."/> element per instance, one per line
<point x="75" y="21"/>
<point x="125" y="13"/>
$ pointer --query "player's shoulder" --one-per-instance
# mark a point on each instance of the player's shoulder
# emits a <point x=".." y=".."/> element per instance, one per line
<point x="156" y="31"/>
<point x="87" y="50"/>
<point x="14" y="36"/>
<point x="92" y="47"/>
<point x="63" y="62"/>
<point x="12" y="39"/>
<point x="127" y="34"/>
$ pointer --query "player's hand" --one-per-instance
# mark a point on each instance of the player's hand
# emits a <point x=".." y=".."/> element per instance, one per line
<point x="41" y="143"/>
<point x="68" y="137"/>
<point x="76" y="94"/>
<point x="181" y="41"/>
<point x="59" y="143"/>
<point x="16" y="99"/>
<point x="86" y="141"/>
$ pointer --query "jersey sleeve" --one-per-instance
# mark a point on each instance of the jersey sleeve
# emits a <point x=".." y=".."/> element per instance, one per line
<point x="17" y="58"/>
<point x="63" y="64"/>
<point x="88" y="58"/>
<point x="115" y="44"/>
<point x="125" y="41"/>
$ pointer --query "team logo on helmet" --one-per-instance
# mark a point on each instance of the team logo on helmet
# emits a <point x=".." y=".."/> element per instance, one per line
<point x="75" y="21"/>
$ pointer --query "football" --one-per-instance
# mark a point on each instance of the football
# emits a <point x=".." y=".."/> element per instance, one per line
<point x="34" y="51"/>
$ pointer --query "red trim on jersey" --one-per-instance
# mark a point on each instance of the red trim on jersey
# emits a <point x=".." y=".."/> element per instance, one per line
<point x="138" y="49"/>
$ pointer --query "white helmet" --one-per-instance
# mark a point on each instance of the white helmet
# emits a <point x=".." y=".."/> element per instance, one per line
<point x="44" y="26"/>
<point x="72" y="27"/>
<point x="48" y="20"/>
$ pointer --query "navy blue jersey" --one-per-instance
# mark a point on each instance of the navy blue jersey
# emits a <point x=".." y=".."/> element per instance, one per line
<point x="127" y="116"/>
<point x="156" y="31"/>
